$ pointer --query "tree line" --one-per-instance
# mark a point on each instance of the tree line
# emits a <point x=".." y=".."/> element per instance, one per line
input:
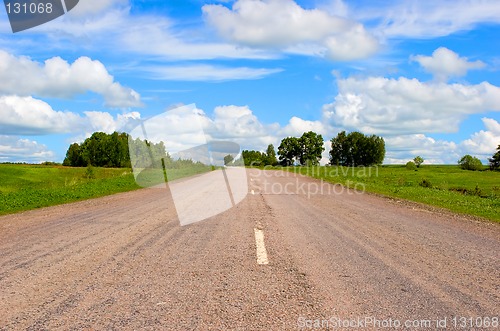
<point x="353" y="149"/>
<point x="100" y="150"/>
<point x="347" y="149"/>
<point x="113" y="151"/>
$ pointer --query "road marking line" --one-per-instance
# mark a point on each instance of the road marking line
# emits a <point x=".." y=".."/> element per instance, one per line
<point x="261" y="247"/>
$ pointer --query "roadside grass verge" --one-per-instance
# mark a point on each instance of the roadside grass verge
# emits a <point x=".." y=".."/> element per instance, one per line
<point x="468" y="192"/>
<point x="25" y="187"/>
<point x="156" y="176"/>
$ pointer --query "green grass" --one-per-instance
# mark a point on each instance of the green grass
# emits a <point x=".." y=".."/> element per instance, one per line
<point x="25" y="187"/>
<point x="468" y="192"/>
<point x="154" y="176"/>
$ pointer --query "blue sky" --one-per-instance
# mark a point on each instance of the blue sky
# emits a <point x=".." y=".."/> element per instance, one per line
<point x="422" y="74"/>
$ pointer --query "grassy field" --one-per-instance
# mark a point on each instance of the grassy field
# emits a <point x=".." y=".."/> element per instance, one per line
<point x="468" y="192"/>
<point x="25" y="187"/>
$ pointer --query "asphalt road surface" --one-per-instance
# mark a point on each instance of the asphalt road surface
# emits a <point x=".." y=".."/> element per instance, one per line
<point x="294" y="254"/>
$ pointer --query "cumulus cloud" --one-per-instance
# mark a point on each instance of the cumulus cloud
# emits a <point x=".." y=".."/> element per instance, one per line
<point x="282" y="24"/>
<point x="484" y="142"/>
<point x="30" y="116"/>
<point x="407" y="106"/>
<point x="403" y="148"/>
<point x="14" y="149"/>
<point x="237" y="121"/>
<point x="57" y="78"/>
<point x="186" y="127"/>
<point x="481" y="144"/>
<point x="445" y="63"/>
<point x="297" y="126"/>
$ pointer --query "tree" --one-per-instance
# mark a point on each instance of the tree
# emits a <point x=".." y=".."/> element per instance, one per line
<point x="340" y="150"/>
<point x="112" y="150"/>
<point x="310" y="148"/>
<point x="288" y="151"/>
<point x="495" y="160"/>
<point x="468" y="162"/>
<point x="73" y="157"/>
<point x="418" y="160"/>
<point x="253" y="158"/>
<point x="357" y="149"/>
<point x="306" y="150"/>
<point x="270" y="157"/>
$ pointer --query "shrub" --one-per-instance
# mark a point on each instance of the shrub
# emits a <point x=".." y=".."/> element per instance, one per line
<point x="468" y="162"/>
<point x="89" y="172"/>
<point x="425" y="183"/>
<point x="410" y="165"/>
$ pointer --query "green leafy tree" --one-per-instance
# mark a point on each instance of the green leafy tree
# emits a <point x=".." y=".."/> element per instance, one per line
<point x="418" y="160"/>
<point x="357" y="149"/>
<point x="270" y="158"/>
<point x="253" y="158"/>
<point x="340" y="150"/>
<point x="112" y="150"/>
<point x="94" y="149"/>
<point x="310" y="148"/>
<point x="495" y="160"/>
<point x="288" y="151"/>
<point x="74" y="157"/>
<point x="468" y="162"/>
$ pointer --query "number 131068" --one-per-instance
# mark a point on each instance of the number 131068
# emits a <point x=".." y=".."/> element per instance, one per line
<point x="29" y="8"/>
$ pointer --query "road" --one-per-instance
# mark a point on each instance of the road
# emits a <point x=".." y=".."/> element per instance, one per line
<point x="331" y="255"/>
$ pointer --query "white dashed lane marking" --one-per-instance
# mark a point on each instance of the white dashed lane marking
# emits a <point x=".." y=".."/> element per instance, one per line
<point x="261" y="247"/>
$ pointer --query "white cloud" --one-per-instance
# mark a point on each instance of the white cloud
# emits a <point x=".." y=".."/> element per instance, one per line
<point x="283" y="24"/>
<point x="87" y="8"/>
<point x="143" y="34"/>
<point x="30" y="116"/>
<point x="200" y="72"/>
<point x="237" y="121"/>
<point x="445" y="63"/>
<point x="14" y="149"/>
<point x="484" y="142"/>
<point x="58" y="78"/>
<point x="427" y="19"/>
<point x="297" y="126"/>
<point x="403" y="148"/>
<point x="407" y="106"/>
<point x="158" y="36"/>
